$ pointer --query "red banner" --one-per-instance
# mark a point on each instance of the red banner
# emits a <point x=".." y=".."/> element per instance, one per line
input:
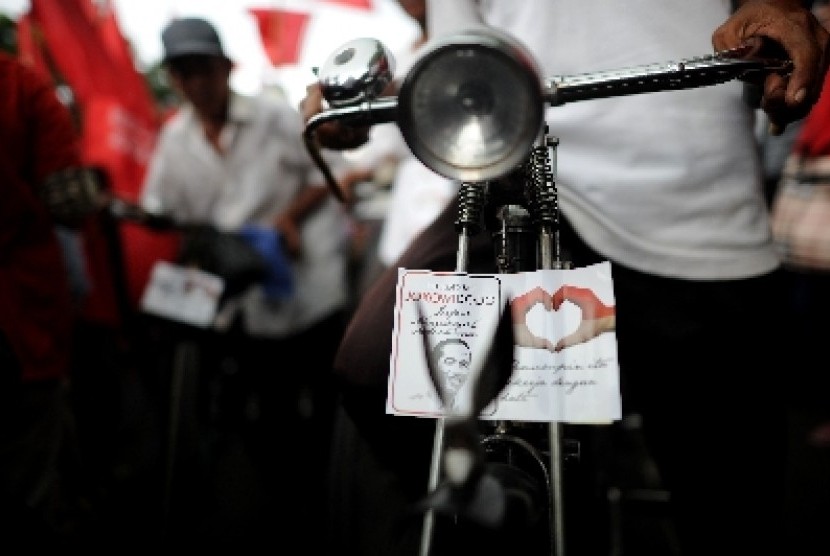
<point x="86" y="44"/>
<point x="118" y="117"/>
<point x="282" y="33"/>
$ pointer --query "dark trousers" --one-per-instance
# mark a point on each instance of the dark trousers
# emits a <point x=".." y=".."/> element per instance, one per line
<point x="702" y="366"/>
<point x="46" y="499"/>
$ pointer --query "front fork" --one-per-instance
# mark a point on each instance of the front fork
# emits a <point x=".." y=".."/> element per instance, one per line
<point x="522" y="214"/>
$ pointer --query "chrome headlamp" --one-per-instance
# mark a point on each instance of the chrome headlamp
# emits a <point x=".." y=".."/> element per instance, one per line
<point x="472" y="105"/>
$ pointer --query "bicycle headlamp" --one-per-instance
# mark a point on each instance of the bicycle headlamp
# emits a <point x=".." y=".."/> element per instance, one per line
<point x="472" y="105"/>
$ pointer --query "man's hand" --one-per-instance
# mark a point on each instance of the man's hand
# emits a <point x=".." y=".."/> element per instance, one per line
<point x="792" y="30"/>
<point x="332" y="135"/>
<point x="290" y="235"/>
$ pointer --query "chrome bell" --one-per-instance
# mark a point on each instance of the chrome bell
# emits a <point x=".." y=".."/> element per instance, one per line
<point x="358" y="71"/>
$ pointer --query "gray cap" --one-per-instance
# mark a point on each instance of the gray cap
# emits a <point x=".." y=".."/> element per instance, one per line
<point x="188" y="36"/>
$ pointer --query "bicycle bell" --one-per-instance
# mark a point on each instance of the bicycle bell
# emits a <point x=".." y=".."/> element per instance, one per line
<point x="357" y="71"/>
<point x="472" y="105"/>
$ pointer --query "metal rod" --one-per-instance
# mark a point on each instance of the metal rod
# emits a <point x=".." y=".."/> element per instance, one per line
<point x="461" y="262"/>
<point x="550" y="256"/>
<point x="434" y="478"/>
<point x="691" y="73"/>
<point x="554" y="431"/>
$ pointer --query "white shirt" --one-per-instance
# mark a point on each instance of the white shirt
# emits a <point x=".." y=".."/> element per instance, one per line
<point x="667" y="183"/>
<point x="264" y="167"/>
<point x="418" y="196"/>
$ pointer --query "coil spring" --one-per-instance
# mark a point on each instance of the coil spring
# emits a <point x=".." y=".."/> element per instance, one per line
<point x="471" y="198"/>
<point x="541" y="194"/>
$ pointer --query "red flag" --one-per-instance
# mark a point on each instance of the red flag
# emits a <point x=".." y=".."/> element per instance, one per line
<point x="30" y="47"/>
<point x="282" y="33"/>
<point x="358" y="4"/>
<point x="88" y="49"/>
<point x="119" y="120"/>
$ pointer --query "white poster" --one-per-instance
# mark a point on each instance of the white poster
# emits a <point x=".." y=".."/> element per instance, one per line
<point x="182" y="294"/>
<point x="564" y="362"/>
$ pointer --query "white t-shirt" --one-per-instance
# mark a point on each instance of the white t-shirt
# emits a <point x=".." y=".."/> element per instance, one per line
<point x="418" y="196"/>
<point x="667" y="183"/>
<point x="265" y="166"/>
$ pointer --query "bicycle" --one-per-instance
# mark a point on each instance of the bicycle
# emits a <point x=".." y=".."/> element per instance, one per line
<point x="508" y="187"/>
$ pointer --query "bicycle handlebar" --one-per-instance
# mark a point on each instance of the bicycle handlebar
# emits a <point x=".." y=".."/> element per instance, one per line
<point x="470" y="99"/>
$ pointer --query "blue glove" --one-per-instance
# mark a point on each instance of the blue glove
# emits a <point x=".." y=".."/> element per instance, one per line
<point x="279" y="282"/>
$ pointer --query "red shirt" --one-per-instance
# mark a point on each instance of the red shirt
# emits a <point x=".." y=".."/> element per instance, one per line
<point x="37" y="138"/>
<point x="813" y="140"/>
